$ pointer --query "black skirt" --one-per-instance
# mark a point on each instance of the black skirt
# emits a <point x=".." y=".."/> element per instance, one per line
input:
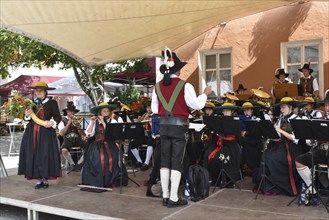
<point x="42" y="160"/>
<point x="101" y="167"/>
<point x="232" y="153"/>
<point x="281" y="168"/>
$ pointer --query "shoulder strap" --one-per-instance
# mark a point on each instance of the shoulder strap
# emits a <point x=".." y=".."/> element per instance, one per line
<point x="169" y="105"/>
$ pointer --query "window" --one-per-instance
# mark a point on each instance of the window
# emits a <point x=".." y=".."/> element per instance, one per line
<point x="295" y="54"/>
<point x="216" y="70"/>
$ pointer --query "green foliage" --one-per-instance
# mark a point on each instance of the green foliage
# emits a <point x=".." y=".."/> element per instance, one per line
<point x="19" y="51"/>
<point x="129" y="95"/>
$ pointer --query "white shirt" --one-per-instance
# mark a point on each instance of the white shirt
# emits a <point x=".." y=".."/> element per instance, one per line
<point x="61" y="125"/>
<point x="293" y="116"/>
<point x="315" y="83"/>
<point x="190" y="97"/>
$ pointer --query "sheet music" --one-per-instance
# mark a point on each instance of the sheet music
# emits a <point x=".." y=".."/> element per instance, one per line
<point x="196" y="127"/>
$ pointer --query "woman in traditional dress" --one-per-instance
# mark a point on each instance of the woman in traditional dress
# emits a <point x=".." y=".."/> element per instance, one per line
<point x="101" y="167"/>
<point x="39" y="154"/>
<point x="279" y="159"/>
<point x="224" y="148"/>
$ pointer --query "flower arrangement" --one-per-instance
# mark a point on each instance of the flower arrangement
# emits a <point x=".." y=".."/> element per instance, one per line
<point x="16" y="105"/>
<point x="140" y="105"/>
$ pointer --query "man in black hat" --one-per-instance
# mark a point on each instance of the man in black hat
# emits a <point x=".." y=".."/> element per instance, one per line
<point x="171" y="100"/>
<point x="308" y="85"/>
<point x="240" y="89"/>
<point x="69" y="129"/>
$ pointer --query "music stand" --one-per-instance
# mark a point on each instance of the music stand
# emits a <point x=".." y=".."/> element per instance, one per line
<point x="263" y="129"/>
<point x="316" y="129"/>
<point x="285" y="90"/>
<point x="122" y="131"/>
<point x="223" y="125"/>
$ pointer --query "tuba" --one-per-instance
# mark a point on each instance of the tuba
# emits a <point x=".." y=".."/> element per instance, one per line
<point x="259" y="95"/>
<point x="230" y="98"/>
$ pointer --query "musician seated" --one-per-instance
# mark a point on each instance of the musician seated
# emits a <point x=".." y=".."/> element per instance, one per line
<point x="69" y="129"/>
<point x="101" y="167"/>
<point x="251" y="151"/>
<point x="224" y="148"/>
<point x="209" y="109"/>
<point x="280" y="167"/>
<point x="304" y="163"/>
<point x="241" y="89"/>
<point x="148" y="139"/>
<point x="310" y="113"/>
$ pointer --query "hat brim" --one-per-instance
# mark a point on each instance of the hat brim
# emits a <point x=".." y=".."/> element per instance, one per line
<point x="74" y="110"/>
<point x="315" y="104"/>
<point x="220" y="108"/>
<point x="278" y="75"/>
<point x="174" y="69"/>
<point x="292" y="103"/>
<point x="95" y="110"/>
<point x="301" y="70"/>
<point x="41" y="87"/>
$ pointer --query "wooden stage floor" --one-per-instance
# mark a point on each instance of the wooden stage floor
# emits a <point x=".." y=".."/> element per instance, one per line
<point x="63" y="198"/>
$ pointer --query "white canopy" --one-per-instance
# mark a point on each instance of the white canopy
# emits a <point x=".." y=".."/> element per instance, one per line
<point x="99" y="32"/>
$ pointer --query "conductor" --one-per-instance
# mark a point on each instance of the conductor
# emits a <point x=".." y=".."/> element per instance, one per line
<point x="171" y="99"/>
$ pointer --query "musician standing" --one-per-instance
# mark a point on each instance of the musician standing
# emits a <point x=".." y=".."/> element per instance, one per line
<point x="304" y="163"/>
<point x="171" y="99"/>
<point x="39" y="156"/>
<point x="71" y="133"/>
<point x="308" y="84"/>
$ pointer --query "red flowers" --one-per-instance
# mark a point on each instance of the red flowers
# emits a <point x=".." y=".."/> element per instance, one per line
<point x="15" y="106"/>
<point x="141" y="104"/>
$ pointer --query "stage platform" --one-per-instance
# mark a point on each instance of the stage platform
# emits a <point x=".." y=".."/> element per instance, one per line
<point x="64" y="198"/>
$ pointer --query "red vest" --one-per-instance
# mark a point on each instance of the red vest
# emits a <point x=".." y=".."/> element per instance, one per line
<point x="180" y="109"/>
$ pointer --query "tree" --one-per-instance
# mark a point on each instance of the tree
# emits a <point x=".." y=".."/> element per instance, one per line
<point x="19" y="51"/>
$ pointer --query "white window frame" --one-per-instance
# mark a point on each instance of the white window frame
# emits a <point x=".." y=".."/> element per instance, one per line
<point x="202" y="67"/>
<point x="283" y="50"/>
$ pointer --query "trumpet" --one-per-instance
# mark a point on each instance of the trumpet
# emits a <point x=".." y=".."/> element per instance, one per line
<point x="76" y="122"/>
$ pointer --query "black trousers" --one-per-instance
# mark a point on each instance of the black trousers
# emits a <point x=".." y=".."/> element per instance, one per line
<point x="173" y="143"/>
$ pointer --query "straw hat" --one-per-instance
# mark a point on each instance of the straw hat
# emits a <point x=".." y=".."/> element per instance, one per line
<point x="41" y="85"/>
<point x="102" y="105"/>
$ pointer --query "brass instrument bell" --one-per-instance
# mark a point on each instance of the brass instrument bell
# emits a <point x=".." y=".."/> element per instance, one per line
<point x="259" y="95"/>
<point x="230" y="98"/>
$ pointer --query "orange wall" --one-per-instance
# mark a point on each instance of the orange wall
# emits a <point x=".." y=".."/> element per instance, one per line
<point x="255" y="41"/>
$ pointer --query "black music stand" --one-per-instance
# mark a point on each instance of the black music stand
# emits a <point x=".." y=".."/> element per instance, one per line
<point x="313" y="130"/>
<point x="122" y="131"/>
<point x="223" y="125"/>
<point x="263" y="129"/>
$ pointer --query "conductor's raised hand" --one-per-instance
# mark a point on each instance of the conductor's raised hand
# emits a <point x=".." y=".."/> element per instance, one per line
<point x="208" y="90"/>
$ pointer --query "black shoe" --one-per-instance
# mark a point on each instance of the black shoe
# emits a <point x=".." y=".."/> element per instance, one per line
<point x="165" y="201"/>
<point x="145" y="167"/>
<point x="45" y="184"/>
<point x="39" y="185"/>
<point x="139" y="165"/>
<point x="180" y="202"/>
